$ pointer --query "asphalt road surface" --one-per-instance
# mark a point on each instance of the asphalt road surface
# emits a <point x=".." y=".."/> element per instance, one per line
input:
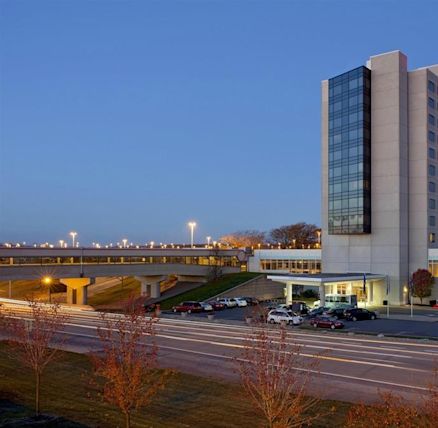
<point x="351" y="368"/>
<point x="394" y="327"/>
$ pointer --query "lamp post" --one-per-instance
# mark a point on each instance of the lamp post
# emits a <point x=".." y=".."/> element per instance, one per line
<point x="47" y="280"/>
<point x="192" y="226"/>
<point x="73" y="236"/>
<point x="318" y="232"/>
<point x="208" y="241"/>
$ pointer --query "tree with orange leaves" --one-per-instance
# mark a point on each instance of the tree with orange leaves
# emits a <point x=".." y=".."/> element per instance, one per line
<point x="422" y="283"/>
<point x="36" y="339"/>
<point x="126" y="366"/>
<point x="391" y="411"/>
<point x="275" y="377"/>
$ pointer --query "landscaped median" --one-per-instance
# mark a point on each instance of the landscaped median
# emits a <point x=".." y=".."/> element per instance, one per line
<point x="210" y="289"/>
<point x="67" y="392"/>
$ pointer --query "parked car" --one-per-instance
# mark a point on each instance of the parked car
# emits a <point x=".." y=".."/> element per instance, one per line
<point x="357" y="314"/>
<point x="300" y="308"/>
<point x="283" y="306"/>
<point x="336" y="313"/>
<point x="228" y="302"/>
<point x="317" y="312"/>
<point x="217" y="306"/>
<point x="252" y="301"/>
<point x="276" y="317"/>
<point x="241" y="302"/>
<point x="206" y="306"/>
<point x="326" y="322"/>
<point x="188" y="307"/>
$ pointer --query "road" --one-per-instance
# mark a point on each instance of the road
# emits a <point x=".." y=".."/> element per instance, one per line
<point x="391" y="326"/>
<point x="351" y="368"/>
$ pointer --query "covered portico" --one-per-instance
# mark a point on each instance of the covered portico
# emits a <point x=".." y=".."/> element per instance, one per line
<point x="337" y="283"/>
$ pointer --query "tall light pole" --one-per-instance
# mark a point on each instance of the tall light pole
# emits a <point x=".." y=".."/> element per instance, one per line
<point x="192" y="226"/>
<point x="73" y="236"/>
<point x="208" y="241"/>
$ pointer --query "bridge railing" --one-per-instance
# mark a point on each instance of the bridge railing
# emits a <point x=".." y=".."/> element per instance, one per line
<point x="231" y="261"/>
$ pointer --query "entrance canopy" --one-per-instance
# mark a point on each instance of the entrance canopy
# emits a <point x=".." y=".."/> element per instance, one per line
<point x="318" y="279"/>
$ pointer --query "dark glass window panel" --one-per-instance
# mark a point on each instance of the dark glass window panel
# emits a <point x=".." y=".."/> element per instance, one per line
<point x="350" y="143"/>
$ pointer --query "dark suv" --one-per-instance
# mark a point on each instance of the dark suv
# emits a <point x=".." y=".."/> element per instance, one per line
<point x="337" y="313"/>
<point x="357" y="314"/>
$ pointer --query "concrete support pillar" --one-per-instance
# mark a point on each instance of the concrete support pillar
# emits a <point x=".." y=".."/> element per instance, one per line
<point x="155" y="290"/>
<point x="145" y="288"/>
<point x="370" y="292"/>
<point x="150" y="285"/>
<point x="288" y="293"/>
<point x="322" y="294"/>
<point x="77" y="290"/>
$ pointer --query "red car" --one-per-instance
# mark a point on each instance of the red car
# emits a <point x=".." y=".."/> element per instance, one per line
<point x="188" y="307"/>
<point x="217" y="306"/>
<point x="326" y="322"/>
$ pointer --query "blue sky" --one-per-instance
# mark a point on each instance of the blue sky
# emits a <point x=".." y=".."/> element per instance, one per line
<point x="130" y="118"/>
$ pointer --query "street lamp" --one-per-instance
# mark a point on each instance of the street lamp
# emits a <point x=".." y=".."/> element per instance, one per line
<point x="318" y="232"/>
<point x="208" y="241"/>
<point x="73" y="236"/>
<point x="192" y="226"/>
<point x="47" y="281"/>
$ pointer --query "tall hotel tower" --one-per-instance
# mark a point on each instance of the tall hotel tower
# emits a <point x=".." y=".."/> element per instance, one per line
<point x="380" y="171"/>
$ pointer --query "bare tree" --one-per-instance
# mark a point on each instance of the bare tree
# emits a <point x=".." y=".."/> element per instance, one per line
<point x="37" y="339"/>
<point x="245" y="238"/>
<point x="275" y="377"/>
<point x="295" y="235"/>
<point x="126" y="367"/>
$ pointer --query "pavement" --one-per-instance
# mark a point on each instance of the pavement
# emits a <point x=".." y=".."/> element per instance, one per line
<point x="398" y="325"/>
<point x="351" y="368"/>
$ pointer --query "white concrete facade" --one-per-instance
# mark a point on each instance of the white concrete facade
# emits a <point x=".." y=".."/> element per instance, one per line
<point x="400" y="211"/>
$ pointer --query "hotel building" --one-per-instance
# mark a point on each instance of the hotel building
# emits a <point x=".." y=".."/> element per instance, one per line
<point x="379" y="179"/>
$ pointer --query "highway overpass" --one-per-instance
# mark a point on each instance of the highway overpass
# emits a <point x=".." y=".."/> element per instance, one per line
<point x="77" y="267"/>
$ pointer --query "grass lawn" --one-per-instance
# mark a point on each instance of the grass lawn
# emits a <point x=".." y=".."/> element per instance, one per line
<point x="116" y="294"/>
<point x="24" y="288"/>
<point x="210" y="289"/>
<point x="186" y="401"/>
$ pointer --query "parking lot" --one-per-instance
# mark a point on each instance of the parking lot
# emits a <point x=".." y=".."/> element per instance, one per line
<point x="382" y="325"/>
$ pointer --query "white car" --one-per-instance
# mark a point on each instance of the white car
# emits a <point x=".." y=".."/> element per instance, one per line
<point x="278" y="316"/>
<point x="228" y="302"/>
<point x="206" y="306"/>
<point x="240" y="301"/>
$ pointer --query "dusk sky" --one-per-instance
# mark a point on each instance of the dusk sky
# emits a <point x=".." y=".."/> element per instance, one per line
<point x="130" y="118"/>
